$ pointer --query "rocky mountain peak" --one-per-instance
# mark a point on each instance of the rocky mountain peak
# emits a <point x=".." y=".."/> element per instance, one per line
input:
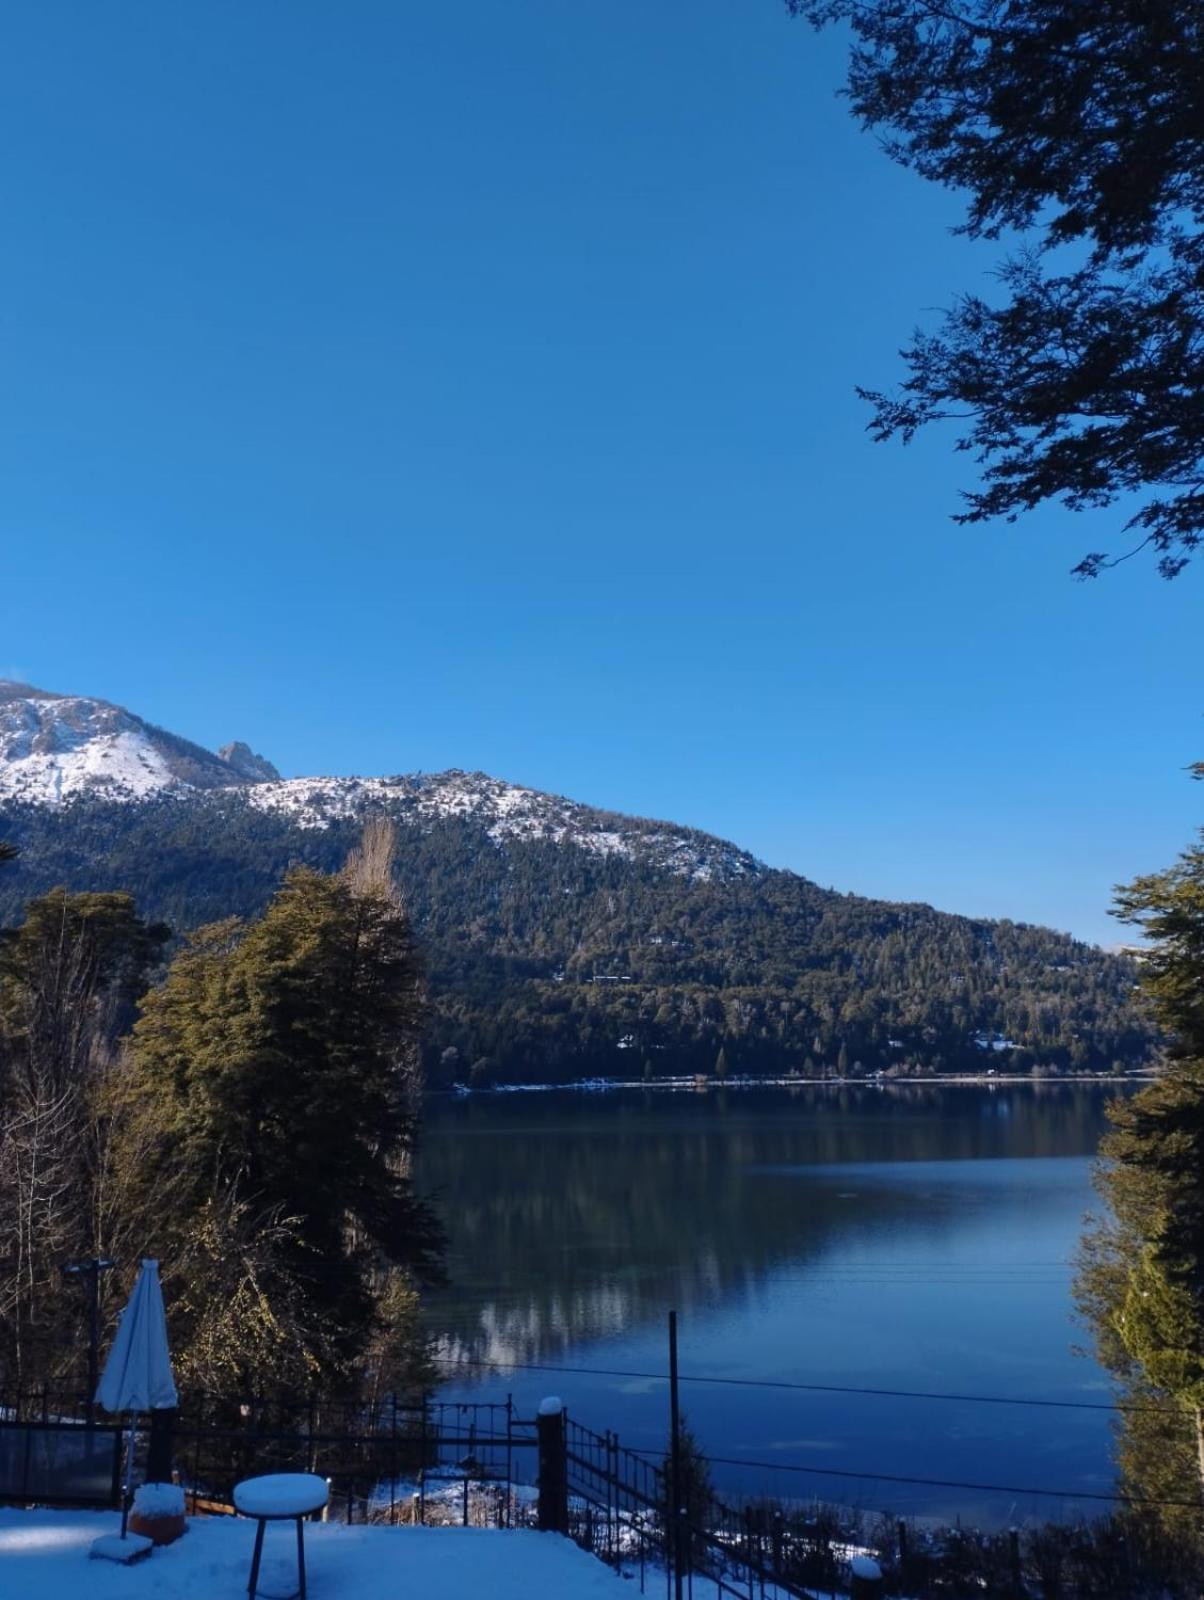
<point x="255" y="768"/>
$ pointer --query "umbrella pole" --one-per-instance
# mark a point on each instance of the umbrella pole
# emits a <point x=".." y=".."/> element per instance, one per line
<point x="129" y="1474"/>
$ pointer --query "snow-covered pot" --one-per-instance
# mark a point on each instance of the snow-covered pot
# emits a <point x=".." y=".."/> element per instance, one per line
<point x="158" y="1512"/>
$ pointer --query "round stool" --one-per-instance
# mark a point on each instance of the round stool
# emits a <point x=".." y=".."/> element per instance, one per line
<point x="279" y="1497"/>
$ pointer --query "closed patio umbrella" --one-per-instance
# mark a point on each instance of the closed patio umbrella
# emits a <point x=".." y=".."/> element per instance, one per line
<point x="137" y="1375"/>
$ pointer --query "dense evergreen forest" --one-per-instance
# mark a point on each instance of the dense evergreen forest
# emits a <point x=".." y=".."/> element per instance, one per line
<point x="548" y="961"/>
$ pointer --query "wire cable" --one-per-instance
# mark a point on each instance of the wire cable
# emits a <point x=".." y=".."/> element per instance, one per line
<point x="809" y="1388"/>
<point x="934" y="1483"/>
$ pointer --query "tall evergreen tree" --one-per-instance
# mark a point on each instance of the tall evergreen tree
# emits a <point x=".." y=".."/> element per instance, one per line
<point x="273" y="1074"/>
<point x="1142" y="1276"/>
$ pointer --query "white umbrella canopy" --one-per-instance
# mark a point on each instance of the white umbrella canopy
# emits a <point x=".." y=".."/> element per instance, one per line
<point x="137" y="1375"/>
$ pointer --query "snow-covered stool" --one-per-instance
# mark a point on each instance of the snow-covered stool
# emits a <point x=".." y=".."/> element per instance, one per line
<point x="280" y="1497"/>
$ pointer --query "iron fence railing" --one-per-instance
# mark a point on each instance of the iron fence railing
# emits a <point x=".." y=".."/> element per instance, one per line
<point x="392" y="1459"/>
<point x="426" y="1459"/>
<point x="429" y="1460"/>
<point x="621" y="1508"/>
<point x="388" y="1458"/>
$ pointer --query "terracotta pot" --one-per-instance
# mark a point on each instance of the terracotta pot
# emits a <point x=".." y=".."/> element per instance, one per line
<point x="162" y="1530"/>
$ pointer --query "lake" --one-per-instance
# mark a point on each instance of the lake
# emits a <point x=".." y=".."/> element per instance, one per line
<point x="915" y="1238"/>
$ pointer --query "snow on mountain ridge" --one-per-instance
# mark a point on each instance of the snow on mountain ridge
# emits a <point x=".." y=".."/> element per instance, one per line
<point x="57" y="747"/>
<point x="508" y="811"/>
<point x="57" y="750"/>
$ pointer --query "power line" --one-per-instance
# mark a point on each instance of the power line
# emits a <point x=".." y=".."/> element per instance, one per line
<point x="844" y="1472"/>
<point x="810" y="1388"/>
<point x="934" y="1483"/>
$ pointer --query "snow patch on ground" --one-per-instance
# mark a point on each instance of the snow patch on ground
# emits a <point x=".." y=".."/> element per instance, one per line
<point x="44" y="1556"/>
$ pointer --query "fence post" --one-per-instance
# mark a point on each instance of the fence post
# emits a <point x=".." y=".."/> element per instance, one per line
<point x="865" y="1579"/>
<point x="422" y="1448"/>
<point x="509" y="1512"/>
<point x="612" y="1473"/>
<point x="553" y="1467"/>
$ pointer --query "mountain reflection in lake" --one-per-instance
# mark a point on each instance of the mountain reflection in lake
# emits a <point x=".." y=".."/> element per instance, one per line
<point x="901" y="1238"/>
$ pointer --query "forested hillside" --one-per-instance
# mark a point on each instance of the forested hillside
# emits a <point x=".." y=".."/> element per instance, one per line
<point x="550" y="958"/>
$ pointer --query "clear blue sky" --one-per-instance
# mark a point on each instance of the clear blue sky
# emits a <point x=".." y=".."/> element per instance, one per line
<point x="404" y="386"/>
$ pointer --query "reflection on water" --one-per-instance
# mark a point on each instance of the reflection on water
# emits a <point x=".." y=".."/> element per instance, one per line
<point x="912" y="1238"/>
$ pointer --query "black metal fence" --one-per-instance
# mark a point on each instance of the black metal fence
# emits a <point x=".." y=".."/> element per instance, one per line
<point x="390" y="1460"/>
<point x="621" y="1507"/>
<point x="434" y="1461"/>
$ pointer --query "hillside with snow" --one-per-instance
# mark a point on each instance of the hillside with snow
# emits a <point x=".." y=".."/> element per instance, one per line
<point x="58" y="749"/>
<point x="561" y="941"/>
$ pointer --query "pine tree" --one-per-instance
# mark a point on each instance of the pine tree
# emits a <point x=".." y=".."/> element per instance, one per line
<point x="693" y="1494"/>
<point x="274" y="1072"/>
<point x="1141" y="1279"/>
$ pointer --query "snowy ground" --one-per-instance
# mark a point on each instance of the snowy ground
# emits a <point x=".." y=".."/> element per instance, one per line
<point x="44" y="1556"/>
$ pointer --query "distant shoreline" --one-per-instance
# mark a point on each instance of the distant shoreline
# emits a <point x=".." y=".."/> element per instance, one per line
<point x="693" y="1085"/>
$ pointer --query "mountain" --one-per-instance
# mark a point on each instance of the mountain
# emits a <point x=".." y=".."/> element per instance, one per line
<point x="561" y="940"/>
<point x="58" y="747"/>
<point x="57" y="750"/>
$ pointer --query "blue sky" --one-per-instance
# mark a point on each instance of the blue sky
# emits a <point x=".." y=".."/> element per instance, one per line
<point x="400" y="387"/>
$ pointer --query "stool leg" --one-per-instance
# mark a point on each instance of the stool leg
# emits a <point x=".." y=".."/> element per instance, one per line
<point x="301" y="1555"/>
<point x="254" y="1583"/>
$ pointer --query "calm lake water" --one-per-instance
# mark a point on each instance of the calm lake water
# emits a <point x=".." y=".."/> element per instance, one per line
<point x="873" y="1238"/>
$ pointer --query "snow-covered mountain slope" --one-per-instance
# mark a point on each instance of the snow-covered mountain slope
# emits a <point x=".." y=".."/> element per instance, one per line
<point x="63" y="749"/>
<point x="504" y="812"/>
<point x="58" y="747"/>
